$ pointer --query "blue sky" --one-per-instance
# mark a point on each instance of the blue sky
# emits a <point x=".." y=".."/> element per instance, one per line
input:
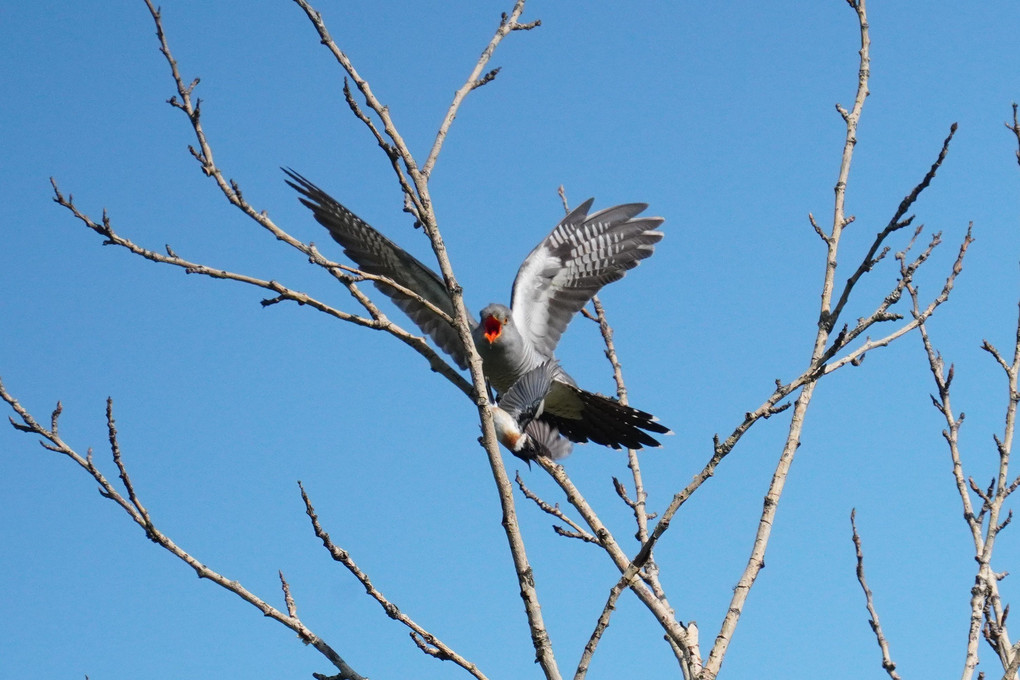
<point x="721" y="117"/>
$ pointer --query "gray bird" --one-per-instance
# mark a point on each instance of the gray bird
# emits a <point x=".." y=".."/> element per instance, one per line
<point x="516" y="417"/>
<point x="582" y="253"/>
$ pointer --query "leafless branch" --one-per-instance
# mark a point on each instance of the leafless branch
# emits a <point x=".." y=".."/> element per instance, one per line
<point x="987" y="616"/>
<point x="191" y="107"/>
<point x="876" y="627"/>
<point x="475" y="79"/>
<point x="1015" y="129"/>
<point x="414" y="180"/>
<point x="563" y="197"/>
<point x="897" y="222"/>
<point x="600" y="628"/>
<point x="756" y="559"/>
<point x="556" y="512"/>
<point x="396" y="148"/>
<point x="818" y="368"/>
<point x="639" y="504"/>
<point x="287" y="597"/>
<point x="651" y="596"/>
<point x="1014" y="663"/>
<point x="377" y="320"/>
<point x="132" y="505"/>
<point x="425" y="640"/>
<point x="230" y="189"/>
<point x="822" y="362"/>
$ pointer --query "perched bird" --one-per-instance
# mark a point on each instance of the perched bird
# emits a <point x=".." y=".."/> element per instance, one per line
<point x="516" y="417"/>
<point x="582" y="253"/>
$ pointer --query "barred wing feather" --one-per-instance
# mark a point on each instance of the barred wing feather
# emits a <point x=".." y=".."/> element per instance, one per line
<point x="580" y="256"/>
<point x="376" y="254"/>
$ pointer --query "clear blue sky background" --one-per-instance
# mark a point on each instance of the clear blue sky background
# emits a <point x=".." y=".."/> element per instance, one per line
<point x="721" y="116"/>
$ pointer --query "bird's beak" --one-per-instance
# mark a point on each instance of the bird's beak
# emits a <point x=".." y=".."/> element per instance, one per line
<point x="493" y="328"/>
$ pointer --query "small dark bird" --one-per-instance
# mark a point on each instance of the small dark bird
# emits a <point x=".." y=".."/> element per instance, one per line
<point x="516" y="417"/>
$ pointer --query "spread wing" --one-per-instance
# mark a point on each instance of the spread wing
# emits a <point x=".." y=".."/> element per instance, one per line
<point x="524" y="399"/>
<point x="376" y="254"/>
<point x="582" y="254"/>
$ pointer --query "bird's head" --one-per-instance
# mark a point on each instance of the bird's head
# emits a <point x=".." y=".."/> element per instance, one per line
<point x="494" y="319"/>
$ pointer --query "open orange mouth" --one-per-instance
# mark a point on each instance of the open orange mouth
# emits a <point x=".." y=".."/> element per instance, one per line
<point x="493" y="328"/>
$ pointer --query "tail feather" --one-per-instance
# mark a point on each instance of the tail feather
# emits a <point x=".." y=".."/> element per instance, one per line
<point x="544" y="440"/>
<point x="608" y="422"/>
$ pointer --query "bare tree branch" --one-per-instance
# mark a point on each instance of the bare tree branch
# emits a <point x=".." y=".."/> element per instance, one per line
<point x="987" y="615"/>
<point x="378" y="320"/>
<point x="656" y="602"/>
<point x="287" y="597"/>
<point x="136" y="511"/>
<point x="756" y="560"/>
<point x="600" y="628"/>
<point x="425" y="640"/>
<point x="831" y="351"/>
<point x="475" y="80"/>
<point x="556" y="512"/>
<point x="876" y="627"/>
<point x="396" y="148"/>
<point x="417" y="195"/>
<point x="1015" y="129"/>
<point x="897" y="222"/>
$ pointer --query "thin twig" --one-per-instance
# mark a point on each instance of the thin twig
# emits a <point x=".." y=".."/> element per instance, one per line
<point x="600" y="628"/>
<point x="287" y="597"/>
<point x="555" y="511"/>
<point x="438" y="649"/>
<point x="475" y="79"/>
<point x="987" y="615"/>
<point x="895" y="223"/>
<point x="876" y="627"/>
<point x="1015" y="129"/>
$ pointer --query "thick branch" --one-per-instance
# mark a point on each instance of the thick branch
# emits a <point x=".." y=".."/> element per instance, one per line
<point x="416" y="191"/>
<point x="756" y="559"/>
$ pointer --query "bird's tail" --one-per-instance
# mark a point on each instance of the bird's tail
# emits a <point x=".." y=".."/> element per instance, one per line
<point x="608" y="422"/>
<point x="544" y="440"/>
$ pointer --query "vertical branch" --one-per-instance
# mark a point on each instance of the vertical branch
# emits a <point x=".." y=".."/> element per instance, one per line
<point x="851" y="118"/>
<point x="640" y="502"/>
<point x="951" y="435"/>
<point x="644" y="563"/>
<point x="876" y="626"/>
<point x="756" y="560"/>
<point x="987" y="615"/>
<point x="416" y="189"/>
<point x="986" y="612"/>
